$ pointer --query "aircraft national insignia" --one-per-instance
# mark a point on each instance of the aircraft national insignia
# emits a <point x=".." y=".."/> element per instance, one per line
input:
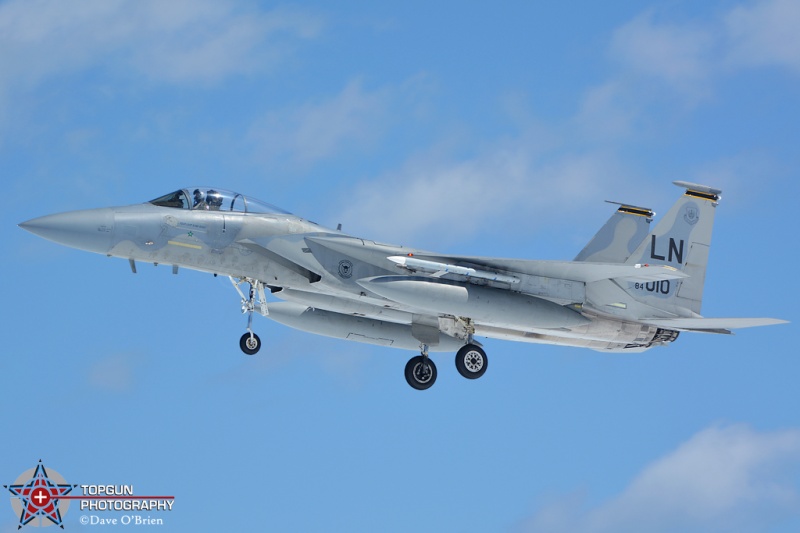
<point x="691" y="216"/>
<point x="345" y="268"/>
<point x="37" y="494"/>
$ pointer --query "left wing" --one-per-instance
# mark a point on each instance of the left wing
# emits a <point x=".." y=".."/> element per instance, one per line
<point x="568" y="270"/>
<point x="489" y="266"/>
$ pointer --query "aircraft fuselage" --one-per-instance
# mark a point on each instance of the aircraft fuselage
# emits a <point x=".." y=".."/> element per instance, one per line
<point x="342" y="286"/>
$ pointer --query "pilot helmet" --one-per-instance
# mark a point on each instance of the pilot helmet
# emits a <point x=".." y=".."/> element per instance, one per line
<point x="198" y="196"/>
<point x="213" y="198"/>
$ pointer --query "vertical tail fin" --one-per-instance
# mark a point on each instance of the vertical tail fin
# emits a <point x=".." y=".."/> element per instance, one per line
<point x="619" y="237"/>
<point x="681" y="239"/>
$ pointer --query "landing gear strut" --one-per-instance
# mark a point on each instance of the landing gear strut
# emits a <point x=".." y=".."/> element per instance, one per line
<point x="420" y="371"/>
<point x="250" y="343"/>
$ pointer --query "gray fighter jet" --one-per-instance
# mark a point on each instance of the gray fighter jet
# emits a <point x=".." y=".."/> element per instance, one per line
<point x="628" y="290"/>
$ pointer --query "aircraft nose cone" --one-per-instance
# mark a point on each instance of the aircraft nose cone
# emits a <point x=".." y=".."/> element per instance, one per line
<point x="89" y="229"/>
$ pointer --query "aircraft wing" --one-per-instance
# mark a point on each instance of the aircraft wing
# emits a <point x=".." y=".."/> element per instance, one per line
<point x="570" y="270"/>
<point x="280" y="259"/>
<point x="711" y="325"/>
<point x="575" y="271"/>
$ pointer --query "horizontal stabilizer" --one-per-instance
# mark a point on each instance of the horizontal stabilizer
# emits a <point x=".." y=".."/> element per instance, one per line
<point x="711" y="325"/>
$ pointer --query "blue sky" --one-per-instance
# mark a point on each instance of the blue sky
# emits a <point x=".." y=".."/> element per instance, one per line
<point x="470" y="128"/>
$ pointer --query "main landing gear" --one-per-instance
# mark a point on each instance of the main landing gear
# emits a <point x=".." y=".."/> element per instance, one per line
<point x="420" y="371"/>
<point x="471" y="362"/>
<point x="250" y="343"/>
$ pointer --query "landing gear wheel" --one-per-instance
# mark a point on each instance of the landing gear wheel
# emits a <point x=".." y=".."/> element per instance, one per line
<point x="471" y="361"/>
<point x="250" y="344"/>
<point x="420" y="372"/>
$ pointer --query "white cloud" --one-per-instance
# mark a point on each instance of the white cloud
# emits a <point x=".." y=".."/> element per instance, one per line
<point x="115" y="373"/>
<point x="689" y="57"/>
<point x="765" y="33"/>
<point x="664" y="69"/>
<point x="515" y="183"/>
<point x="607" y="114"/>
<point x="677" y="54"/>
<point x="345" y="363"/>
<point x="737" y="174"/>
<point x="175" y="42"/>
<point x="319" y="129"/>
<point x="725" y="478"/>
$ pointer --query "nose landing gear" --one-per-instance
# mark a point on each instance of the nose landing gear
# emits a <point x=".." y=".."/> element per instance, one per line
<point x="250" y="343"/>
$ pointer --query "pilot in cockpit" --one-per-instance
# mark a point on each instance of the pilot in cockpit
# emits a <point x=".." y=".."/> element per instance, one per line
<point x="214" y="200"/>
<point x="199" y="201"/>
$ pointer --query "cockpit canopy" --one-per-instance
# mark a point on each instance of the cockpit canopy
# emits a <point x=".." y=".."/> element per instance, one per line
<point x="210" y="199"/>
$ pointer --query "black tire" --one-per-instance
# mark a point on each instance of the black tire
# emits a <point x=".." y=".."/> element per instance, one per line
<point x="471" y="361"/>
<point x="420" y="372"/>
<point x="248" y="345"/>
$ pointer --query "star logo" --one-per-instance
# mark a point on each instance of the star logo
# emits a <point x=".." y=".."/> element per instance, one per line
<point x="37" y="496"/>
<point x="190" y="234"/>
